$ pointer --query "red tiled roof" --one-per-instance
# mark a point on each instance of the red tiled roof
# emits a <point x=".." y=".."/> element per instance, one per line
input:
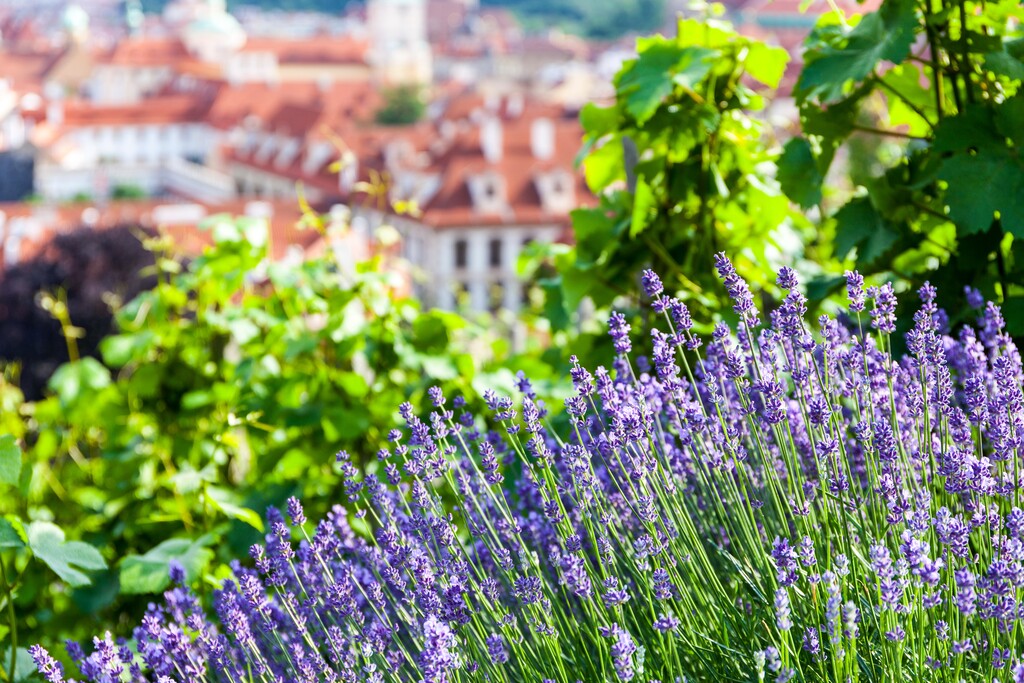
<point x="313" y="50"/>
<point x="190" y="240"/>
<point x="233" y="103"/>
<point x="147" y="51"/>
<point x="27" y="69"/>
<point x="452" y="205"/>
<point x="162" y="109"/>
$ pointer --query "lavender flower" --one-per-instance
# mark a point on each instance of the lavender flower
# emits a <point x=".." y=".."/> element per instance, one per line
<point x="651" y="284"/>
<point x="855" y="290"/>
<point x="739" y="292"/>
<point x="670" y="520"/>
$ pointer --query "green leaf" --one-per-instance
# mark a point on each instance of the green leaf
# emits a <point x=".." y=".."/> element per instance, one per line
<point x="67" y="559"/>
<point x="75" y="379"/>
<point x="973" y="129"/>
<point x="9" y="535"/>
<point x="645" y="82"/>
<point x="598" y="121"/>
<point x="604" y="166"/>
<point x="120" y="349"/>
<point x="860" y="226"/>
<point x="643" y="202"/>
<point x="24" y="665"/>
<point x="149" y="573"/>
<point x="10" y="460"/>
<point x="1005" y="64"/>
<point x="885" y="35"/>
<point x="798" y="173"/>
<point x="981" y="185"/>
<point x="822" y="287"/>
<point x="766" y="64"/>
<point x="222" y="500"/>
<point x="905" y="79"/>
<point x="1009" y="118"/>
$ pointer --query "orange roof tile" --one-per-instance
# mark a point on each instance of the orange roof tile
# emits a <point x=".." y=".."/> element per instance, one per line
<point x="146" y="51"/>
<point x="312" y="50"/>
<point x="190" y="240"/>
<point x="162" y="109"/>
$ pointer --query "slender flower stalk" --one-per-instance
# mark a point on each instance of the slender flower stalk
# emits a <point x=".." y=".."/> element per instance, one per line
<point x="779" y="506"/>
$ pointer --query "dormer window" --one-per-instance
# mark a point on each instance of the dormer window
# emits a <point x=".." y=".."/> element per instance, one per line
<point x="556" y="191"/>
<point x="487" y="191"/>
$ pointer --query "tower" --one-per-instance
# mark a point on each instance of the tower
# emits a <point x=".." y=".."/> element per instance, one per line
<point x="75" y="22"/>
<point x="399" y="51"/>
<point x="133" y="16"/>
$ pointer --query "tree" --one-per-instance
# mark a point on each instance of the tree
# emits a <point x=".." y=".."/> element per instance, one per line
<point x="403" y="106"/>
<point x="128" y="192"/>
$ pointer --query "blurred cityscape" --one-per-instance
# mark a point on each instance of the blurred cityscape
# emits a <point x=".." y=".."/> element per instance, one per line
<point x="111" y="116"/>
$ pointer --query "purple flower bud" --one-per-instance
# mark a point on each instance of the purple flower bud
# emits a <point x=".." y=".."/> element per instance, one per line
<point x="651" y="283"/>
<point x="618" y="329"/>
<point x="855" y="290"/>
<point x="295" y="511"/>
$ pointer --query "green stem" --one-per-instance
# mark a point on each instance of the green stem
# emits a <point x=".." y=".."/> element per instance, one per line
<point x="889" y="133"/>
<point x="12" y="617"/>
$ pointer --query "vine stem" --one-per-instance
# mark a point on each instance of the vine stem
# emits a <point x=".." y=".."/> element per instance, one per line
<point x="11" y="616"/>
<point x="889" y="133"/>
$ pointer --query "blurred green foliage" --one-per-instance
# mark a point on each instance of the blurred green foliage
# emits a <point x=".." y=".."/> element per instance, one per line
<point x="226" y="388"/>
<point x="403" y="105"/>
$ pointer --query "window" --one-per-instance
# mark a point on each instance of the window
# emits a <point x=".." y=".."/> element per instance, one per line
<point x="461" y="253"/>
<point x="494" y="253"/>
<point x="495" y="297"/>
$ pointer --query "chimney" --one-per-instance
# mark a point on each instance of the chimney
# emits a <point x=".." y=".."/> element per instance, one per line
<point x="542" y="139"/>
<point x="491" y="139"/>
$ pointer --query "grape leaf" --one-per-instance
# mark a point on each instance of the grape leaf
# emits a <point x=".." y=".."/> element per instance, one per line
<point x="980" y="185"/>
<point x="766" y="63"/>
<point x="598" y="121"/>
<point x="798" y="173"/>
<point x="860" y="226"/>
<point x="66" y="558"/>
<point x="662" y="64"/>
<point x="885" y="35"/>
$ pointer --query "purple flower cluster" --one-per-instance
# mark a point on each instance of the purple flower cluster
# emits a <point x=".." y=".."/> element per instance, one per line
<point x="792" y="503"/>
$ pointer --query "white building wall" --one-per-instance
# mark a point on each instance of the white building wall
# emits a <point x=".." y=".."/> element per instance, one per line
<point x="437" y="260"/>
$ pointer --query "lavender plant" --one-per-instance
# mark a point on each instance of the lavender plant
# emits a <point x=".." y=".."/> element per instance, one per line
<point x="782" y="505"/>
